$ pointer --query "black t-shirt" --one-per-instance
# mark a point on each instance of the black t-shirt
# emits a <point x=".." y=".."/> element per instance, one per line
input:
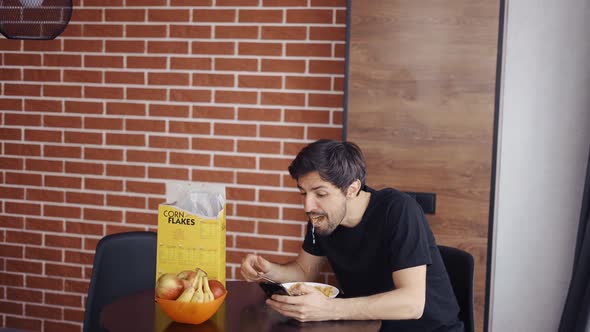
<point x="392" y="235"/>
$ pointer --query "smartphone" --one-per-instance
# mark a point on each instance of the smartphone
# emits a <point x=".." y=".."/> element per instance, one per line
<point x="270" y="289"/>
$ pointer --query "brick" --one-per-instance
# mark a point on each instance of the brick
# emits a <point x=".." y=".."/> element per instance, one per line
<point x="126" y="170"/>
<point x="11" y="104"/>
<point x="103" y="92"/>
<point x="142" y="218"/>
<point x="10" y="279"/>
<point x="62" y="60"/>
<point x="102" y="215"/>
<point x="20" y="119"/>
<point x="236" y="64"/>
<point x="61" y="211"/>
<point x="76" y="286"/>
<point x="242" y="226"/>
<point x="91" y="122"/>
<point x="44" y="224"/>
<point x="190" y="31"/>
<point x="44" y="165"/>
<point x="90" y="244"/>
<point x="261" y="16"/>
<point x="213" y="144"/>
<point x="83" y="107"/>
<point x="145" y="187"/>
<point x="213" y="112"/>
<point x="85" y="198"/>
<point x="231" y="129"/>
<point x="22" y="208"/>
<point x="62" y="121"/>
<point x="22" y="90"/>
<point x="60" y="270"/>
<point x="11" y="192"/>
<point x="12" y="251"/>
<point x="275" y="164"/>
<point x="199" y="79"/>
<point x="212" y="176"/>
<point x="270" y="49"/>
<point x="168" y="79"/>
<point x="63" y="241"/>
<point x="309" y="50"/>
<point x="11" y="163"/>
<point x="124" y="77"/>
<point x="42" y="45"/>
<point x="84" y="228"/>
<point x="238" y="97"/>
<point x="284" y="33"/>
<point x="284" y="3"/>
<point x="259" y="147"/>
<point x="169" y="15"/>
<point x="281" y="229"/>
<point x="63" y="300"/>
<point x="43" y="254"/>
<point x="328" y="3"/>
<point x="324" y="132"/>
<point x="146" y="94"/>
<point x="88" y="46"/>
<point x="125" y="108"/>
<point x="214" y="15"/>
<point x="62" y="151"/>
<point x="62" y="91"/>
<point x="295" y="214"/>
<point x="19" y="59"/>
<point x="113" y="229"/>
<point x="168" y="47"/>
<point x="126" y="139"/>
<point x="340" y="17"/>
<point x="262" y="82"/>
<point x="259" y="114"/>
<point x="42" y="311"/>
<point x="291" y="246"/>
<point x="261" y="179"/>
<point x="193" y="63"/>
<point x="146" y="31"/>
<point x="37" y="75"/>
<point x="23" y="179"/>
<point x="243" y="194"/>
<point x="239" y="3"/>
<point x="279" y="98"/>
<point x="319" y="16"/>
<point x="283" y="66"/>
<point x="11" y="308"/>
<point x="308" y="83"/>
<point x="296" y="132"/>
<point x="165" y="110"/>
<point x="126" y="201"/>
<point x="14" y="75"/>
<point x="326" y="100"/>
<point x="63" y="181"/>
<point x="307" y="116"/>
<point x="11" y="221"/>
<point x="189" y="127"/>
<point x="210" y="48"/>
<point x="103" y="154"/>
<point x="44" y="105"/>
<point x="146" y="2"/>
<point x="125" y="15"/>
<point x="275" y="196"/>
<point x="82" y="137"/>
<point x="236" y="32"/>
<point x="103" y="61"/>
<point x="23" y="295"/>
<point x="23" y="323"/>
<point x="327" y="33"/>
<point x="103" y="184"/>
<point x="144" y="156"/>
<point x="337" y="117"/>
<point x="125" y="46"/>
<point x="234" y="161"/>
<point x="257" y="243"/>
<point x="45" y="195"/>
<point x="168" y="142"/>
<point x="10" y="134"/>
<point x="103" y="3"/>
<point x="11" y="45"/>
<point x="145" y="125"/>
<point x="84" y="168"/>
<point x="190" y="95"/>
<point x="52" y="326"/>
<point x="326" y="67"/>
<point x="168" y="173"/>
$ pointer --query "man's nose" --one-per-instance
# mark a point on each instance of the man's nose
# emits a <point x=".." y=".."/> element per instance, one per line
<point x="309" y="204"/>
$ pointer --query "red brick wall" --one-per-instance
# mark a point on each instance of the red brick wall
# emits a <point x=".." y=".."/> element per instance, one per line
<point x="139" y="92"/>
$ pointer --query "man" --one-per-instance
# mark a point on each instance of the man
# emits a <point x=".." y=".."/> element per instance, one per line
<point x="378" y="244"/>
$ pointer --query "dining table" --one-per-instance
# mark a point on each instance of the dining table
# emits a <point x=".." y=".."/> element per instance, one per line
<point x="243" y="310"/>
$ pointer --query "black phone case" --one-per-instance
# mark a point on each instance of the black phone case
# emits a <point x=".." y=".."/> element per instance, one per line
<point x="270" y="289"/>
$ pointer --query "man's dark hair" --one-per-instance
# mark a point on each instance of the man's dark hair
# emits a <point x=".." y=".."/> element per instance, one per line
<point x="339" y="163"/>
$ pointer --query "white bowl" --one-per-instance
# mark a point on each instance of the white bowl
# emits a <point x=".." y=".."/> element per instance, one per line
<point x="323" y="287"/>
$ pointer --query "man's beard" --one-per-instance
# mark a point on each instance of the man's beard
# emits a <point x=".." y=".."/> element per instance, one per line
<point x="323" y="219"/>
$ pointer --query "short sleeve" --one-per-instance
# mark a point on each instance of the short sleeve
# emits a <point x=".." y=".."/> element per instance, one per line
<point x="308" y="245"/>
<point x="409" y="245"/>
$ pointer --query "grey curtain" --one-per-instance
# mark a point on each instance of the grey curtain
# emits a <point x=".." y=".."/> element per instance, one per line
<point x="576" y="312"/>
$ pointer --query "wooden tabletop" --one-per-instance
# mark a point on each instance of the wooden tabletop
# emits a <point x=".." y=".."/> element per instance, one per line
<point x="244" y="310"/>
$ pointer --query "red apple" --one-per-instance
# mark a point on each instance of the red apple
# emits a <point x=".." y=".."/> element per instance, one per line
<point x="169" y="287"/>
<point x="216" y="288"/>
<point x="187" y="277"/>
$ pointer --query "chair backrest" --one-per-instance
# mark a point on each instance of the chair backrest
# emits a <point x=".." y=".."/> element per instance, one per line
<point x="124" y="263"/>
<point x="460" y="267"/>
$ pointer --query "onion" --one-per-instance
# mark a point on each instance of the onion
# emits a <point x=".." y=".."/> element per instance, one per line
<point x="169" y="287"/>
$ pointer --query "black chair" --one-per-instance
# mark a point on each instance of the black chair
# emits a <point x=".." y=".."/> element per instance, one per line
<point x="124" y="263"/>
<point x="460" y="267"/>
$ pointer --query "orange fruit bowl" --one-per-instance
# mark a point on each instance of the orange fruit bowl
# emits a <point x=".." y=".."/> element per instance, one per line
<point x="190" y="312"/>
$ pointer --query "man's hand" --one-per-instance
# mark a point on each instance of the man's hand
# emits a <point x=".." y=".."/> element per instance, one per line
<point x="313" y="305"/>
<point x="253" y="266"/>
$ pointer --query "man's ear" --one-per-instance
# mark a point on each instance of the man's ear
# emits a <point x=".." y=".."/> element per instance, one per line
<point x="353" y="189"/>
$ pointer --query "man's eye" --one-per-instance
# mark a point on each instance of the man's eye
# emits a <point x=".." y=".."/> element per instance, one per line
<point x="321" y="194"/>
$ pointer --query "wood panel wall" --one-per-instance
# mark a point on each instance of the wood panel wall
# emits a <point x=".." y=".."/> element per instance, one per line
<point x="421" y="88"/>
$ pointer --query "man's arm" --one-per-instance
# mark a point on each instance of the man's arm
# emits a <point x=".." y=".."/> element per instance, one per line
<point x="405" y="302"/>
<point x="305" y="267"/>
